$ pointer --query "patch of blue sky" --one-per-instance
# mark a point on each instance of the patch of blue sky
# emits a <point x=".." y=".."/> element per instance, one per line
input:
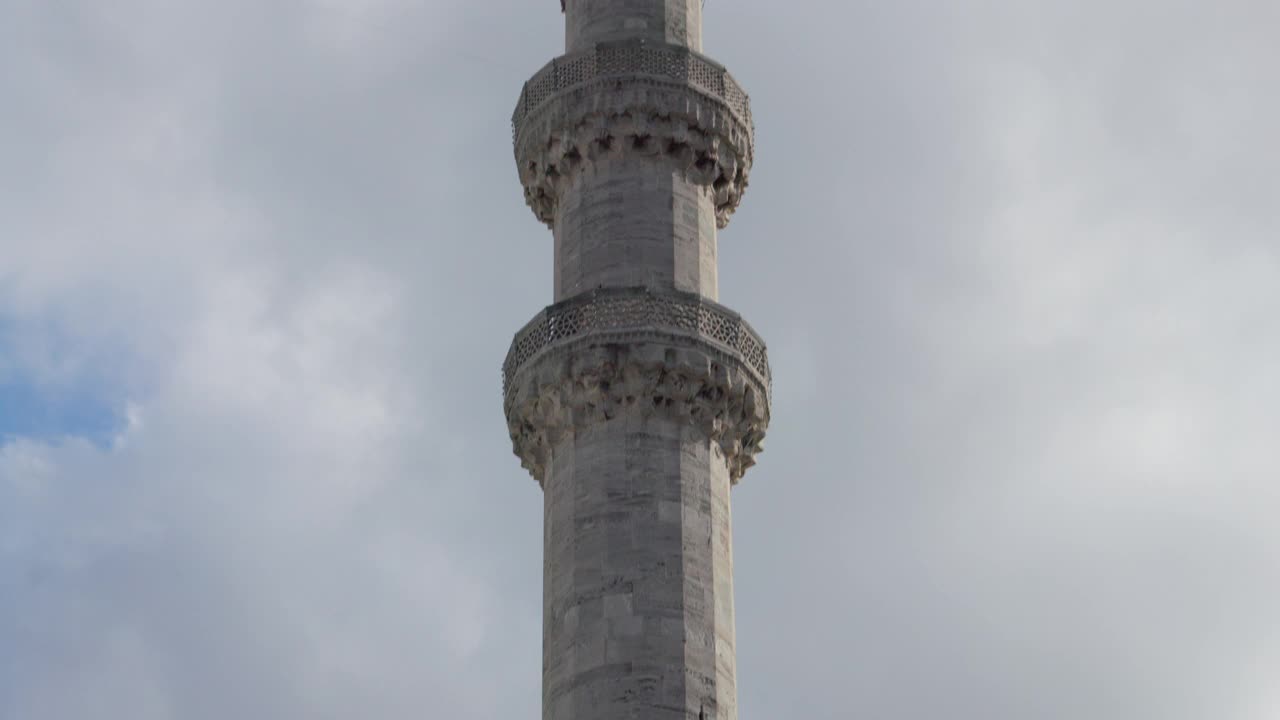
<point x="87" y="405"/>
<point x="44" y="412"/>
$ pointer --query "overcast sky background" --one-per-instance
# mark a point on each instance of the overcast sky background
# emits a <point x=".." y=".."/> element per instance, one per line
<point x="1018" y="264"/>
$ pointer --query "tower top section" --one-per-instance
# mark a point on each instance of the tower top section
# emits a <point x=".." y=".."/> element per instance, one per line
<point x="674" y="22"/>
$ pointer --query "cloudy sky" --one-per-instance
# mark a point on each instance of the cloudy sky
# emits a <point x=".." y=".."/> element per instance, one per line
<point x="1018" y="262"/>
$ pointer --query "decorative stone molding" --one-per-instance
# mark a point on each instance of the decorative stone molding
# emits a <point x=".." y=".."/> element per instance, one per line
<point x="672" y="62"/>
<point x="631" y="310"/>
<point x="661" y="102"/>
<point x="609" y="353"/>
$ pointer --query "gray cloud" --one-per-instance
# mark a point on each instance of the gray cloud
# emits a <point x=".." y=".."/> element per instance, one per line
<point x="1015" y="262"/>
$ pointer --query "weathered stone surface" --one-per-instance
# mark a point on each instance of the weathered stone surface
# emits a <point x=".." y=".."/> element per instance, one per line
<point x="638" y="591"/>
<point x="620" y="223"/>
<point x="636" y="400"/>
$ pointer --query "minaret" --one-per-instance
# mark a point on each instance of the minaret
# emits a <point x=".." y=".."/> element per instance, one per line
<point x="636" y="400"/>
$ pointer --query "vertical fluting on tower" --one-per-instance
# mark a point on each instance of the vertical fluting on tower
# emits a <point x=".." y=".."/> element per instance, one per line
<point x="636" y="400"/>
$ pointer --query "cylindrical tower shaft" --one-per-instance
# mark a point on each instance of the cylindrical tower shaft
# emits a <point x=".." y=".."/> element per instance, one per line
<point x="631" y="222"/>
<point x="638" y="587"/>
<point x="636" y="400"/>
<point x="677" y="22"/>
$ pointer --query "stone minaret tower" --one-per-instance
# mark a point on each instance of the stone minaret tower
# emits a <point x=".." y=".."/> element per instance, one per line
<point x="636" y="400"/>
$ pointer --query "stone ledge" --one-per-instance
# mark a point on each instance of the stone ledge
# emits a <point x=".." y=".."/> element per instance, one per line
<point x="663" y="103"/>
<point x="597" y="380"/>
<point x="673" y="62"/>
<point x="609" y="353"/>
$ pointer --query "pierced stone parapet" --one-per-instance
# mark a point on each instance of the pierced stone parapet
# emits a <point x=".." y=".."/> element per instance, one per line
<point x="628" y="310"/>
<point x="607" y="353"/>
<point x="662" y="102"/>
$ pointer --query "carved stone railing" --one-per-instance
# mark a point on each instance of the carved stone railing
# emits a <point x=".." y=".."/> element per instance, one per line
<point x="607" y="353"/>
<point x="636" y="309"/>
<point x="663" y="102"/>
<point x="670" y="62"/>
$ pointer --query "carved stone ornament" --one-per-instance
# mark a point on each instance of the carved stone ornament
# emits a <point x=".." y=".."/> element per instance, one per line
<point x="610" y="353"/>
<point x="666" y="103"/>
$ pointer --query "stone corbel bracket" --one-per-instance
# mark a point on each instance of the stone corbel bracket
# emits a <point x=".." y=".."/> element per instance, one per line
<point x="609" y="353"/>
<point x="664" y="102"/>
